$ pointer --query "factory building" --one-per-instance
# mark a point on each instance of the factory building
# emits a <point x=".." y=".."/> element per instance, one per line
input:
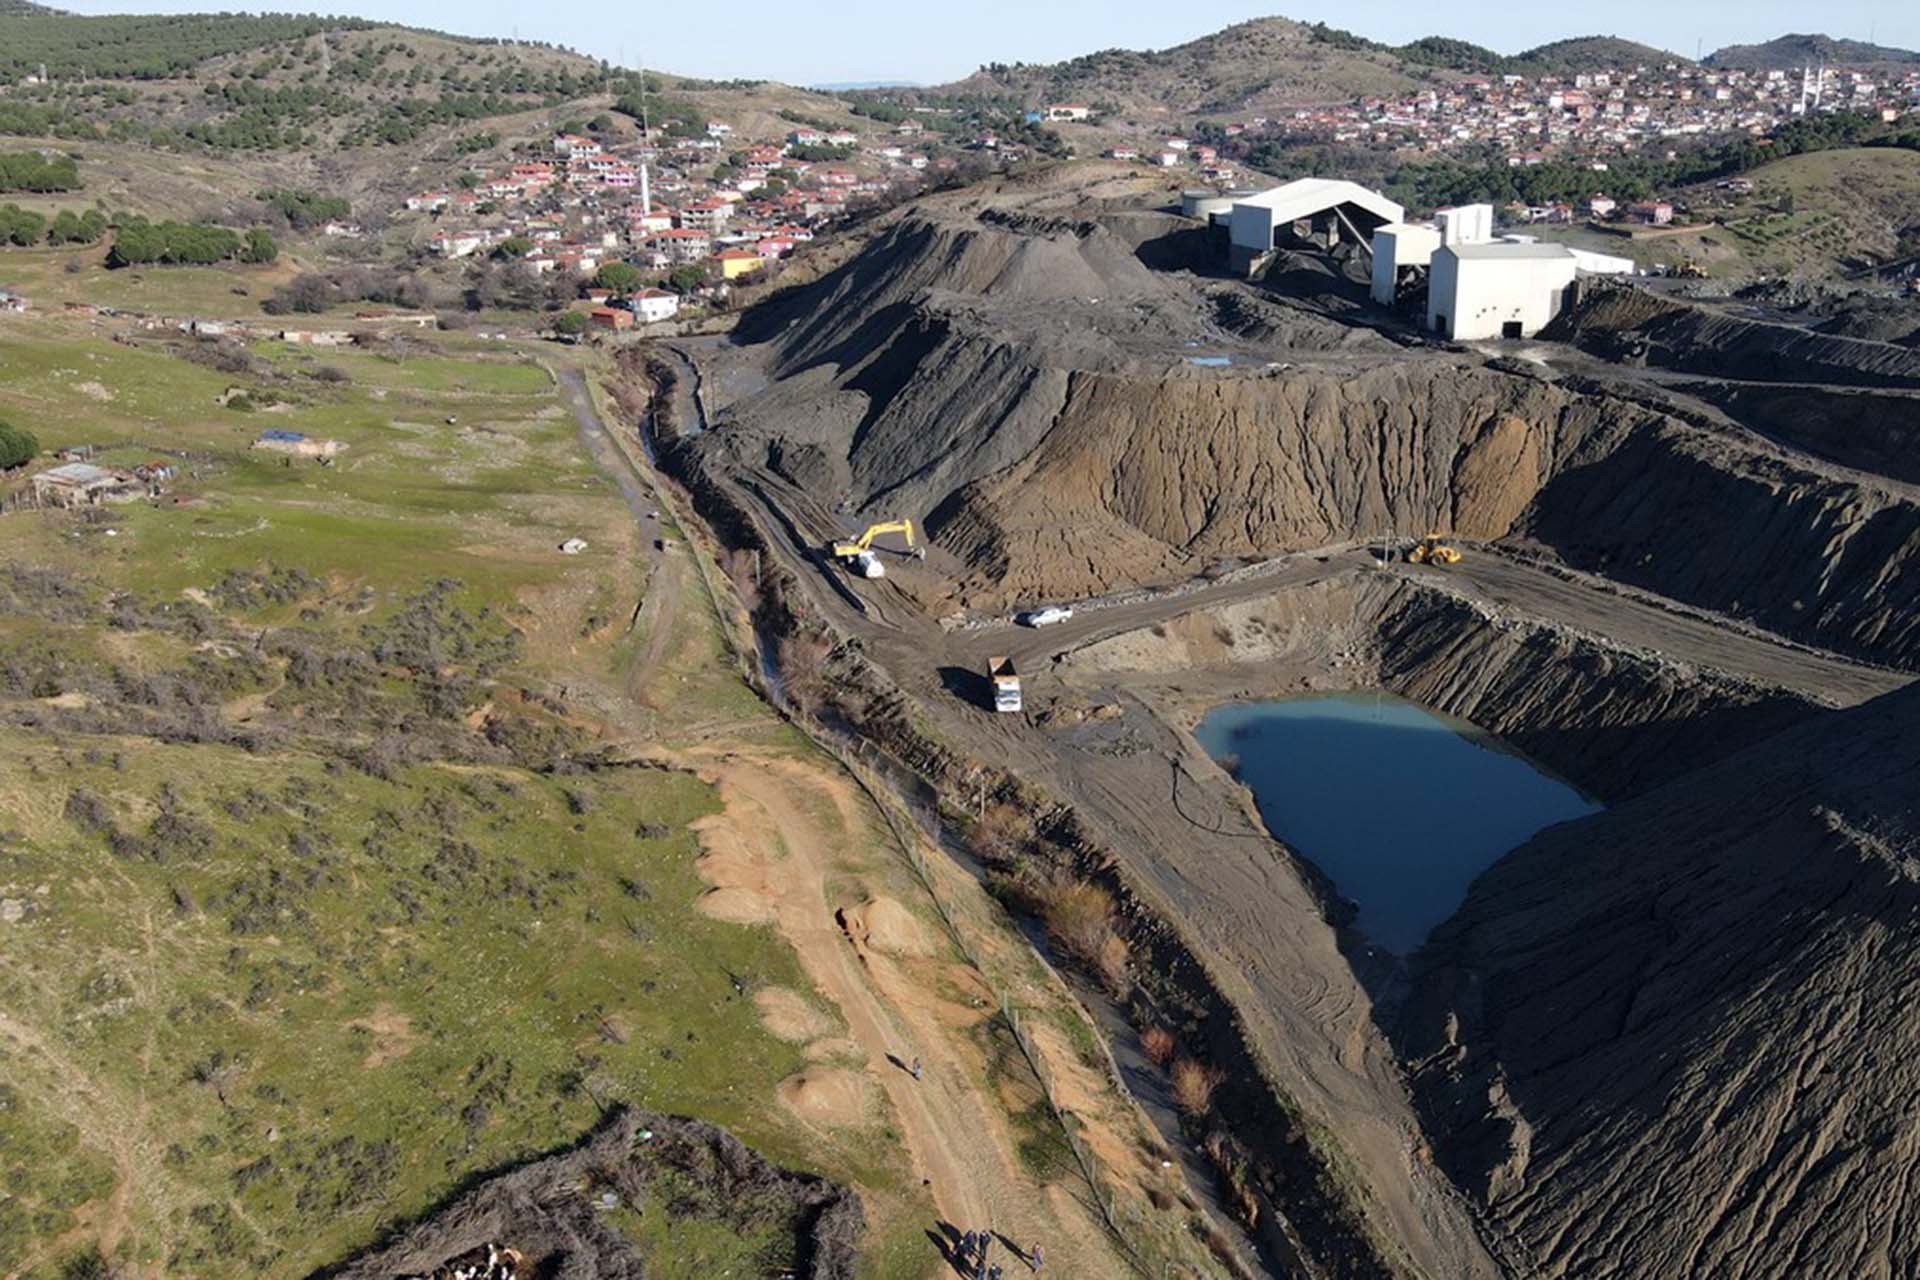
<point x="1497" y="290"/>
<point x="1319" y="211"/>
<point x="1401" y="253"/>
<point x="1479" y="286"/>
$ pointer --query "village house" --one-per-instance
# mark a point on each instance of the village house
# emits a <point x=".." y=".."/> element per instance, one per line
<point x="705" y="215"/>
<point x="1068" y="111"/>
<point x="1654" y="213"/>
<point x="735" y="263"/>
<point x="651" y="306"/>
<point x="82" y="484"/>
<point x="614" y="318"/>
<point x="806" y="137"/>
<point x="574" y="147"/>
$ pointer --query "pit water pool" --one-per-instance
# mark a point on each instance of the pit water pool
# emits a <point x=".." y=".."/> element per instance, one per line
<point x="1400" y="806"/>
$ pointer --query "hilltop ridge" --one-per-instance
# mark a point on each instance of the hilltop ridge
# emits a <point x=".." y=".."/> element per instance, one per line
<point x="1791" y="52"/>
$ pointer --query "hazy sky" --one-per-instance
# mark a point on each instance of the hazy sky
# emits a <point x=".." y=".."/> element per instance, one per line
<point x="847" y="40"/>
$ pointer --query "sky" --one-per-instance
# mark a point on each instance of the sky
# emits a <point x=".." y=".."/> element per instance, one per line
<point x="867" y="40"/>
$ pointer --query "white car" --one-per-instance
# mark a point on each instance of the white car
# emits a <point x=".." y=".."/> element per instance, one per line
<point x="1044" y="617"/>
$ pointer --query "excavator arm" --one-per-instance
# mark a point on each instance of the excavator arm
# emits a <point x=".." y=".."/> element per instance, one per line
<point x="864" y="542"/>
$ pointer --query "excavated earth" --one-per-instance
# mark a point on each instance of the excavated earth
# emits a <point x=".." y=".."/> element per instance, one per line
<point x="1671" y="1039"/>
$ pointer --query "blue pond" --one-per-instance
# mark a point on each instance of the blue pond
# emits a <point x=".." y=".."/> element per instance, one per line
<point x="1400" y="806"/>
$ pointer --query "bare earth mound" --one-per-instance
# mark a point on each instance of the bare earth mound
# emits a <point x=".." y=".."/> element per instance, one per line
<point x="1678" y="1038"/>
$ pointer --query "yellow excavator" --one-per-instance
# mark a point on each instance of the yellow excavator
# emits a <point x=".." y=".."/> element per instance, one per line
<point x="1434" y="549"/>
<point x="859" y="554"/>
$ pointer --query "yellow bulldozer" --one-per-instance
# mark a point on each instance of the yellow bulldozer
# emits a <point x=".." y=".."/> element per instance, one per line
<point x="858" y="555"/>
<point x="1434" y="549"/>
<point x="1689" y="269"/>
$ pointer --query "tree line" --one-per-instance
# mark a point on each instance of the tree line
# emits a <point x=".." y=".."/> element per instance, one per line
<point x="32" y="171"/>
<point x="1434" y="184"/>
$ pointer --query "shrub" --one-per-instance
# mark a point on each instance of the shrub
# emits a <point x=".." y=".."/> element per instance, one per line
<point x="1079" y="917"/>
<point x="1159" y="1045"/>
<point x="999" y="835"/>
<point x="1193" y="1087"/>
<point x="17" y="446"/>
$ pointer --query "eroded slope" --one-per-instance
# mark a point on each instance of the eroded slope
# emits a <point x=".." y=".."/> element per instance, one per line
<point x="1679" y="1037"/>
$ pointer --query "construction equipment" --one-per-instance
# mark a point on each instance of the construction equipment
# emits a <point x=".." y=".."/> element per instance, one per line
<point x="859" y="554"/>
<point x="1006" y="684"/>
<point x="1434" y="549"/>
<point x="1690" y="270"/>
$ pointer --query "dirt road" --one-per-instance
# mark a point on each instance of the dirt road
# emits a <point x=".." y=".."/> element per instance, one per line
<point x="664" y="586"/>
<point x="775" y="843"/>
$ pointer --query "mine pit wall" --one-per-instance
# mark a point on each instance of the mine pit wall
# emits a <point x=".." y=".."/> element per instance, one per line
<point x="1310" y="1214"/>
<point x="1632" y="326"/>
<point x="1613" y="721"/>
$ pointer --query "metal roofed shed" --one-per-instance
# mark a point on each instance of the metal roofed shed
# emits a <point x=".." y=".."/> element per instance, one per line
<point x="1332" y="208"/>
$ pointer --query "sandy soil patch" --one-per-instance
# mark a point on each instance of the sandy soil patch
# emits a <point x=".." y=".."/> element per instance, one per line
<point x="393" y="1035"/>
<point x="883" y="925"/>
<point x="826" y="1095"/>
<point x="737" y="870"/>
<point x="788" y="1014"/>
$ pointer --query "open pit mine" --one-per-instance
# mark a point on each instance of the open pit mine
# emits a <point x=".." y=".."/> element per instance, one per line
<point x="1665" y="552"/>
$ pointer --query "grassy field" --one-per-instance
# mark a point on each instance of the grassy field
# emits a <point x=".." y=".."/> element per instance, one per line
<point x="1818" y="215"/>
<point x="299" y="924"/>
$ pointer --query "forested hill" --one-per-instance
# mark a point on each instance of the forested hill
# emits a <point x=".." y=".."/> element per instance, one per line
<point x="271" y="82"/>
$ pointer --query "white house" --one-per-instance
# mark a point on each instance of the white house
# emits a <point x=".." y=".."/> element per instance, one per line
<point x="1500" y="290"/>
<point x="650" y="306"/>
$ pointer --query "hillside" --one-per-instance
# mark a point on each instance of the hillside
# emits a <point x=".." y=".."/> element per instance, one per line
<point x="1588" y="53"/>
<point x="1264" y="63"/>
<point x="1272" y="62"/>
<point x="269" y="83"/>
<point x="1681" y="1029"/>
<point x="1791" y="52"/>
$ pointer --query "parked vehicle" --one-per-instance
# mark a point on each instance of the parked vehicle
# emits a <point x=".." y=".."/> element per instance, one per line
<point x="1044" y="617"/>
<point x="1006" y="684"/>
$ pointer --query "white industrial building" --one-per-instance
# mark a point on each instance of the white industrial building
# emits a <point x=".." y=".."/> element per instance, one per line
<point x="1400" y="249"/>
<point x="1479" y="286"/>
<point x="1498" y="290"/>
<point x="1322" y="210"/>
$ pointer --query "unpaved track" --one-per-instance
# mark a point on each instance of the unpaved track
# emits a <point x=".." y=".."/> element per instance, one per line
<point x="955" y="1136"/>
<point x="662" y="598"/>
<point x="956" y="1140"/>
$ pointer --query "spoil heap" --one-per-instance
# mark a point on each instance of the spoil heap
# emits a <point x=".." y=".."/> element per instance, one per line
<point x="1679" y="1037"/>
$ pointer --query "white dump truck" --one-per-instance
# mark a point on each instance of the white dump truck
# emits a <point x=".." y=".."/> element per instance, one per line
<point x="1006" y="684"/>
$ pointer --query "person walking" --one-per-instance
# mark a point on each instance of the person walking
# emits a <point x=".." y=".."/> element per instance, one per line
<point x="1036" y="1259"/>
<point x="915" y="1068"/>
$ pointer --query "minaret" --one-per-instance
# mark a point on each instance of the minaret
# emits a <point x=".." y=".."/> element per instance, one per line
<point x="646" y="141"/>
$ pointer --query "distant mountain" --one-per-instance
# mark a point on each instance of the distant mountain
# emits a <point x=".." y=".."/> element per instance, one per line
<point x="852" y="86"/>
<point x="1264" y="63"/>
<point x="1272" y="62"/>
<point x="1793" y="51"/>
<point x="26" y="8"/>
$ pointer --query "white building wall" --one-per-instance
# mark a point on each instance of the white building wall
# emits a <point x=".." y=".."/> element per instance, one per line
<point x="1398" y="245"/>
<point x="1251" y="227"/>
<point x="1470" y="299"/>
<point x="1600" y="264"/>
<point x="1465" y="224"/>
